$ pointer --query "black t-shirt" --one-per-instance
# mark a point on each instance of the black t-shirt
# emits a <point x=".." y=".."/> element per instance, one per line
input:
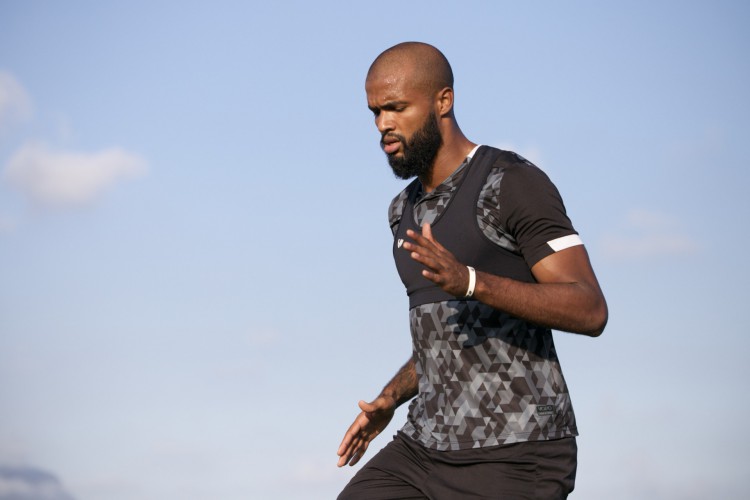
<point x="486" y="378"/>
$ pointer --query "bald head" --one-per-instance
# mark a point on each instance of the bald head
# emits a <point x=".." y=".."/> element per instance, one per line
<point x="424" y="66"/>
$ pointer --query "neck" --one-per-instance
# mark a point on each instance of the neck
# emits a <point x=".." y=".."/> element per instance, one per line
<point x="452" y="153"/>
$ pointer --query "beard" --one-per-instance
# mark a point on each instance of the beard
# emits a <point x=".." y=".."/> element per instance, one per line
<point x="419" y="152"/>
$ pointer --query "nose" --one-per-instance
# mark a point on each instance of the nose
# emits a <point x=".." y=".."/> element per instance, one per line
<point x="383" y="122"/>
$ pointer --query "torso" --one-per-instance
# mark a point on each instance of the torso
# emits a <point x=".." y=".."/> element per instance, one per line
<point x="485" y="378"/>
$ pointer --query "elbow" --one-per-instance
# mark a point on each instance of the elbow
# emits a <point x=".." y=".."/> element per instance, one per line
<point x="598" y="330"/>
<point x="598" y="318"/>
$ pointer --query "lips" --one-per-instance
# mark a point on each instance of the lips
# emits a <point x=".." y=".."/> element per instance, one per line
<point x="390" y="145"/>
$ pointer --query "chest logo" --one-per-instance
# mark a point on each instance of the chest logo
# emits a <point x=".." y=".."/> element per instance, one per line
<point x="400" y="242"/>
<point x="545" y="410"/>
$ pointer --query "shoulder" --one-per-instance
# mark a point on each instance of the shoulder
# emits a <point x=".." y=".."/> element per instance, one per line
<point x="492" y="158"/>
<point x="518" y="179"/>
<point x="508" y="169"/>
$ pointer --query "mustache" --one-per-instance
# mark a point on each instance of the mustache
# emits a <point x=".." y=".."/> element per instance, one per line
<point x="389" y="135"/>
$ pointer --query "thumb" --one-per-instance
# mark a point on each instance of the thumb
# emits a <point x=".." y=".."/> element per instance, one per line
<point x="367" y="407"/>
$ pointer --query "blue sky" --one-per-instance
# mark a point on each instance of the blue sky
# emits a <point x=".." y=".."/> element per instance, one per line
<point x="196" y="284"/>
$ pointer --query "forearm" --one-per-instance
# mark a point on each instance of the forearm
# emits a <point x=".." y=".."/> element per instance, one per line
<point x="403" y="386"/>
<point x="576" y="307"/>
<point x="566" y="294"/>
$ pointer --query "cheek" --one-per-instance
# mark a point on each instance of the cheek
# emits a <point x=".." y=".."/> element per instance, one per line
<point x="411" y="124"/>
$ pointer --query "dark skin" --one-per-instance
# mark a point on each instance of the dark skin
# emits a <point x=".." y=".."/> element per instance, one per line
<point x="566" y="295"/>
<point x="376" y="415"/>
<point x="401" y="98"/>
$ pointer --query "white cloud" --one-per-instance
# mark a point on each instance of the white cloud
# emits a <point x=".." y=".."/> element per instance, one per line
<point x="647" y="233"/>
<point x="650" y="220"/>
<point x="15" y="103"/>
<point x="648" y="245"/>
<point x="65" y="178"/>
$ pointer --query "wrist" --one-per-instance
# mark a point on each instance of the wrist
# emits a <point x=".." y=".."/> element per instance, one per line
<point x="390" y="398"/>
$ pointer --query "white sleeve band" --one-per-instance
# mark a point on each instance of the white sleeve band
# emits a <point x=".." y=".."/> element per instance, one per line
<point x="565" y="242"/>
<point x="472" y="282"/>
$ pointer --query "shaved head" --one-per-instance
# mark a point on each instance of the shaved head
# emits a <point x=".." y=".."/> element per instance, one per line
<point x="425" y="66"/>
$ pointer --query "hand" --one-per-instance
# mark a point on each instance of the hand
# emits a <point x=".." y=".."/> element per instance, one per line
<point x="442" y="267"/>
<point x="368" y="424"/>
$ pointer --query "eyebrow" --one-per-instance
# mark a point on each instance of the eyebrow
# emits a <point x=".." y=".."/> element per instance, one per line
<point x="389" y="105"/>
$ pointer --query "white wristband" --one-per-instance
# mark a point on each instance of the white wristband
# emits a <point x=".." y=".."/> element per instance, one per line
<point x="472" y="282"/>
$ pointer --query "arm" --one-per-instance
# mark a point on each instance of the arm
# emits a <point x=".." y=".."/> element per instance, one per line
<point x="566" y="296"/>
<point x="376" y="415"/>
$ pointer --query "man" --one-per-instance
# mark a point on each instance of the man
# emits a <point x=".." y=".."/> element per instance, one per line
<point x="491" y="263"/>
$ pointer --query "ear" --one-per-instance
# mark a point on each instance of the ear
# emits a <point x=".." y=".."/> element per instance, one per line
<point x="444" y="101"/>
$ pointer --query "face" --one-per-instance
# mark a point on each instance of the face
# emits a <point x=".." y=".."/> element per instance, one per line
<point x="406" y="120"/>
<point x="418" y="152"/>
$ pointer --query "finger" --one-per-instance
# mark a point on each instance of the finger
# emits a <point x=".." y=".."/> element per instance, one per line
<point x="360" y="452"/>
<point x="427" y="231"/>
<point x="419" y="240"/>
<point x="421" y="246"/>
<point x="350" y="450"/>
<point x="356" y="432"/>
<point x="428" y="259"/>
<point x="427" y="238"/>
<point x="355" y="458"/>
<point x="344" y="448"/>
<point x="346" y="443"/>
<point x="350" y="436"/>
<point x="422" y="255"/>
<point x="434" y="277"/>
<point x="356" y="450"/>
<point x="346" y="458"/>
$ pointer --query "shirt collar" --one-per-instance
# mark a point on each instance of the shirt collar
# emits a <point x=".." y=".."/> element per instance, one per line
<point x="451" y="182"/>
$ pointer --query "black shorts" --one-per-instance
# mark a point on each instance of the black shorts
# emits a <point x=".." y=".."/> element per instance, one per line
<point x="404" y="469"/>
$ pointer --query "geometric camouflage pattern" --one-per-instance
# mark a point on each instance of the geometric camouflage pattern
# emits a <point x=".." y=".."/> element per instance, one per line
<point x="485" y="379"/>
<point x="430" y="205"/>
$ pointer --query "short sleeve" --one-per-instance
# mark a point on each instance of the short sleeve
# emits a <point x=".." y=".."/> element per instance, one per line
<point x="532" y="211"/>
